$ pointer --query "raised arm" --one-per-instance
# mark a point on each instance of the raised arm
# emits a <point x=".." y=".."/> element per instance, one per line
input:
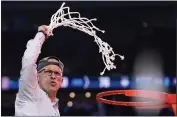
<point x="28" y="83"/>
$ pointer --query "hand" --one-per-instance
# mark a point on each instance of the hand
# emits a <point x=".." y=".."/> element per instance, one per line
<point x="44" y="29"/>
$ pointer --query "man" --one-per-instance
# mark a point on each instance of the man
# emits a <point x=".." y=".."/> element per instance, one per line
<point x="38" y="85"/>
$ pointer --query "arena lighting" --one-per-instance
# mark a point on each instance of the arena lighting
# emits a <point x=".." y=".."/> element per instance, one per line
<point x="70" y="104"/>
<point x="124" y="82"/>
<point x="65" y="83"/>
<point x="174" y="81"/>
<point x="166" y="81"/>
<point x="10" y="83"/>
<point x="87" y="94"/>
<point x="5" y="83"/>
<point x="72" y="94"/>
<point x="104" y="81"/>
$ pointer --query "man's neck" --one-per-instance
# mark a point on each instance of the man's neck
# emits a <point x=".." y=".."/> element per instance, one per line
<point x="52" y="96"/>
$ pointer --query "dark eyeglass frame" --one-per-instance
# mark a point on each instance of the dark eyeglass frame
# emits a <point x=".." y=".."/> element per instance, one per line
<point x="50" y="72"/>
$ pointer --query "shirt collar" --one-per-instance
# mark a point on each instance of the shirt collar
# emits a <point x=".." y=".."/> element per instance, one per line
<point x="55" y="103"/>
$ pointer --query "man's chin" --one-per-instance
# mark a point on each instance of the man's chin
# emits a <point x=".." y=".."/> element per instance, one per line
<point x="53" y="89"/>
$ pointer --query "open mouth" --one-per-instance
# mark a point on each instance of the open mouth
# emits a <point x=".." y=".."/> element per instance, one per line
<point x="53" y="83"/>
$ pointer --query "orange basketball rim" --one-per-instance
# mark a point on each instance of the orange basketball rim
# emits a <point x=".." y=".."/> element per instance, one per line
<point x="163" y="100"/>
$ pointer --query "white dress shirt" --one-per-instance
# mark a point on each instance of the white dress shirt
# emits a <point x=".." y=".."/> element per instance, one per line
<point x="31" y="100"/>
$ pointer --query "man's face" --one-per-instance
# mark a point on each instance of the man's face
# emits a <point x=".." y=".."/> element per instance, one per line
<point x="50" y="78"/>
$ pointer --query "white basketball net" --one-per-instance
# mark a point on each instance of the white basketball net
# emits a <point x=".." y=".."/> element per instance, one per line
<point x="63" y="17"/>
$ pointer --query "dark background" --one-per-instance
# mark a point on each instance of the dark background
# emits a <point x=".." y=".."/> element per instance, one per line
<point x="130" y="27"/>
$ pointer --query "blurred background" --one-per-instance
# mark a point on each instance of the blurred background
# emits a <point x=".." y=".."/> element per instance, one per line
<point x="144" y="32"/>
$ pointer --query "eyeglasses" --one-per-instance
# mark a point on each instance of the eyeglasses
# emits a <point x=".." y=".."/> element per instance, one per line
<point x="50" y="72"/>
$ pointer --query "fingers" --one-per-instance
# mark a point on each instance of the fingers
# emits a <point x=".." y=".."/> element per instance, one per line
<point x="44" y="29"/>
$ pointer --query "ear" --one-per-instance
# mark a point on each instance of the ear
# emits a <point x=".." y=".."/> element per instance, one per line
<point x="38" y="75"/>
<point x="62" y="80"/>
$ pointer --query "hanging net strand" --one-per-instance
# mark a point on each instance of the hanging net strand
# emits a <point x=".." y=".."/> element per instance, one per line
<point x="63" y="17"/>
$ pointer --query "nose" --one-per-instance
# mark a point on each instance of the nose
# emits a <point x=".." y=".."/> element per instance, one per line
<point x="53" y="75"/>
